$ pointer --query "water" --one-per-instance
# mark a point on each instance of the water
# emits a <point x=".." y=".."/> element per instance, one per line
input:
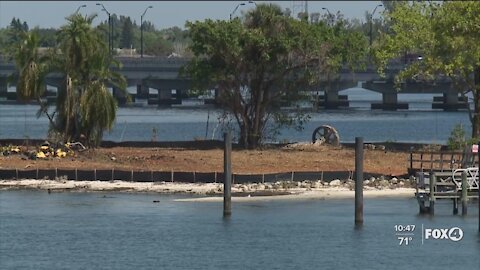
<point x="127" y="231"/>
<point x="418" y="124"/>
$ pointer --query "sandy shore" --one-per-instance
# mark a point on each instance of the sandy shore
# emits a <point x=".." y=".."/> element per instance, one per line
<point x="317" y="194"/>
<point x="212" y="191"/>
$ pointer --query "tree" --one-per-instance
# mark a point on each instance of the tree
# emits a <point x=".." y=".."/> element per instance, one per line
<point x="31" y="70"/>
<point x="85" y="108"/>
<point x="15" y="33"/>
<point x="127" y="34"/>
<point x="446" y="35"/>
<point x="390" y="5"/>
<point x="47" y="36"/>
<point x="260" y="61"/>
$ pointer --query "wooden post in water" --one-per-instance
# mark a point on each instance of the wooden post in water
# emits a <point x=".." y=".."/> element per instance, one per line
<point x="227" y="172"/>
<point x="478" y="190"/>
<point x="358" y="180"/>
<point x="433" y="183"/>
<point x="464" y="193"/>
<point x="455" y="205"/>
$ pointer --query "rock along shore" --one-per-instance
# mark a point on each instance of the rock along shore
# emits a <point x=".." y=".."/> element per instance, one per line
<point x="373" y="187"/>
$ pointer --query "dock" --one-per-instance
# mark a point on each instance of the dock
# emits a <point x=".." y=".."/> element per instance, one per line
<point x="445" y="176"/>
<point x="459" y="186"/>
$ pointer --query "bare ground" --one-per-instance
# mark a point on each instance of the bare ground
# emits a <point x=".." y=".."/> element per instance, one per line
<point x="278" y="159"/>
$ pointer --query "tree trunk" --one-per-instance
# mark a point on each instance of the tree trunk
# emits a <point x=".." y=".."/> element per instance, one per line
<point x="476" y="105"/>
<point x="249" y="136"/>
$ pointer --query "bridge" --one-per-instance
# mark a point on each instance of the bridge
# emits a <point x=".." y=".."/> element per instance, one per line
<point x="162" y="75"/>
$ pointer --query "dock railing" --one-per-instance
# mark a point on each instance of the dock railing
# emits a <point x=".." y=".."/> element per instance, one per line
<point x="445" y="175"/>
<point x="441" y="161"/>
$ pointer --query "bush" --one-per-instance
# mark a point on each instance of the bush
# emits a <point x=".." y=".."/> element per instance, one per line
<point x="457" y="140"/>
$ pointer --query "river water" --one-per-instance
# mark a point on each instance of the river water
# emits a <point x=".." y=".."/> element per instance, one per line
<point x="128" y="231"/>
<point x="418" y="124"/>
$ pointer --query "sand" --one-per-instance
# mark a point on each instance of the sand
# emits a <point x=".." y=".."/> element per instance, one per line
<point x="212" y="192"/>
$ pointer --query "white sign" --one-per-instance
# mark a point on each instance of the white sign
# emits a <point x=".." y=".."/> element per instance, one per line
<point x="475" y="148"/>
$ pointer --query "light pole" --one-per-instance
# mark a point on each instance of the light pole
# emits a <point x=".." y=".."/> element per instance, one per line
<point x="330" y="15"/>
<point x="110" y="28"/>
<point x="80" y="8"/>
<point x="141" y="31"/>
<point x="371" y="22"/>
<point x="231" y="14"/>
<point x="241" y="4"/>
<point x="370" y="34"/>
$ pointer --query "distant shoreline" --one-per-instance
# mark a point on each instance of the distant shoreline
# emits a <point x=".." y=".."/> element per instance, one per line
<point x="210" y="192"/>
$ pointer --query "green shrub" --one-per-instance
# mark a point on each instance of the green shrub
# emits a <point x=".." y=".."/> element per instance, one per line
<point x="457" y="140"/>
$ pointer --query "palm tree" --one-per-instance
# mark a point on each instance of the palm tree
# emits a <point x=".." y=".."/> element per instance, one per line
<point x="85" y="106"/>
<point x="32" y="69"/>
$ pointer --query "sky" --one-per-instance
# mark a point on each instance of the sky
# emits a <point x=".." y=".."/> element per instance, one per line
<point x="163" y="14"/>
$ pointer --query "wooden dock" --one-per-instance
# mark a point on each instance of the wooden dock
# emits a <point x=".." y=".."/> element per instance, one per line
<point x="441" y="161"/>
<point x="460" y="186"/>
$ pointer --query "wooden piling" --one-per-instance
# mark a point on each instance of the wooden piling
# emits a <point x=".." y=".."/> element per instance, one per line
<point x="358" y="180"/>
<point x="464" y="193"/>
<point x="433" y="183"/>
<point x="227" y="171"/>
<point x="455" y="206"/>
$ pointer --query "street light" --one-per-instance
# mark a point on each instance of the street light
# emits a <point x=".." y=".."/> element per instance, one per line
<point x="241" y="4"/>
<point x="330" y="15"/>
<point x="370" y="34"/>
<point x="110" y="28"/>
<point x="80" y="8"/>
<point x="141" y="31"/>
<point x="371" y="22"/>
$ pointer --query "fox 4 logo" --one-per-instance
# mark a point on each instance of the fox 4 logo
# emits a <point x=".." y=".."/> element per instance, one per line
<point x="454" y="234"/>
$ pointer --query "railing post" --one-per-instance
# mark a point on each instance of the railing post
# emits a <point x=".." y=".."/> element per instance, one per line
<point x="464" y="193"/>
<point x="433" y="183"/>
<point x="227" y="172"/>
<point x="358" y="180"/>
<point x="411" y="160"/>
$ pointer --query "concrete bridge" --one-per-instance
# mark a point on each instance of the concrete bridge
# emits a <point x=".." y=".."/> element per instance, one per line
<point x="162" y="75"/>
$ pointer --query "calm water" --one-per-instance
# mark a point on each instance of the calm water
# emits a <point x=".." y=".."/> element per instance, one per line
<point x="128" y="231"/>
<point x="418" y="124"/>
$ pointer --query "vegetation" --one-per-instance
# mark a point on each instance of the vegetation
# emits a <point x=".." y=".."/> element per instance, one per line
<point x="266" y="58"/>
<point x="85" y="108"/>
<point x="446" y="35"/>
<point x="126" y="35"/>
<point x="457" y="140"/>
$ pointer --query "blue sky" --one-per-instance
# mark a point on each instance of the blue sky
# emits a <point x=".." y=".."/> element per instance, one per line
<point x="164" y="13"/>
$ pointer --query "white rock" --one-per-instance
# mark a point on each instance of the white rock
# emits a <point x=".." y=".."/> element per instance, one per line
<point x="366" y="182"/>
<point x="394" y="180"/>
<point x="384" y="183"/>
<point x="335" y="183"/>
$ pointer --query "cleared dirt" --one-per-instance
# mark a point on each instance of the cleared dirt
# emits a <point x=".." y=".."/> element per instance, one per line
<point x="278" y="159"/>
